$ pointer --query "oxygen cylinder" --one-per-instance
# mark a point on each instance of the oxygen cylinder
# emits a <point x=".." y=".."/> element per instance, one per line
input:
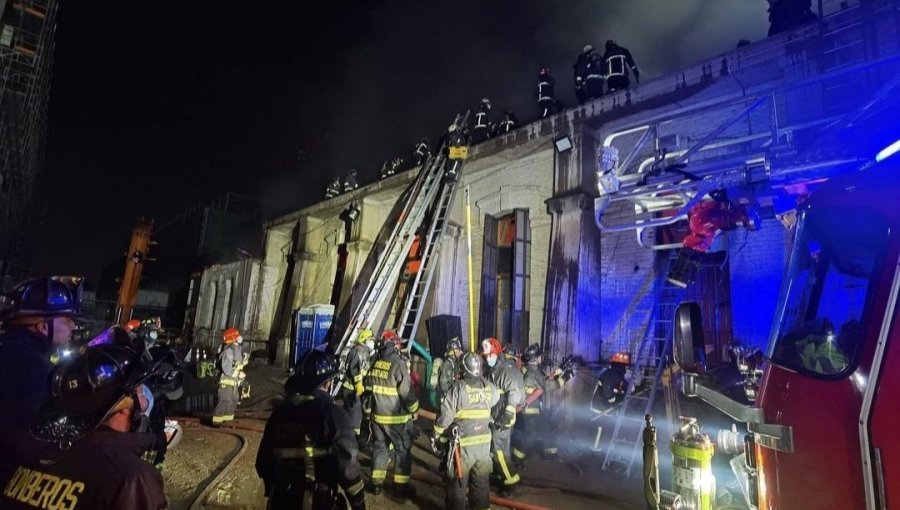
<point x="692" y="476"/>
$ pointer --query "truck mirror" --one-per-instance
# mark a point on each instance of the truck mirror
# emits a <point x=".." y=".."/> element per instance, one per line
<point x="688" y="346"/>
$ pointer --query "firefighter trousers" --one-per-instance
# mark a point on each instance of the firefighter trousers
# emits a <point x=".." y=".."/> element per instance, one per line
<point x="353" y="406"/>
<point x="226" y="402"/>
<point x="398" y="436"/>
<point x="617" y="82"/>
<point x="500" y="450"/>
<point x="526" y="436"/>
<point x="476" y="471"/>
<point x="299" y="495"/>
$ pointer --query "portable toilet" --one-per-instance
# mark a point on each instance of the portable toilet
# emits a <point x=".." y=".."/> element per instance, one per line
<point x="311" y="326"/>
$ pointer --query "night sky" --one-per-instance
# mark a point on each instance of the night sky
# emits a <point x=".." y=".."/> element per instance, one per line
<point x="158" y="105"/>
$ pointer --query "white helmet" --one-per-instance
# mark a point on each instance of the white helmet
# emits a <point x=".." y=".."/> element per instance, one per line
<point x="587" y="48"/>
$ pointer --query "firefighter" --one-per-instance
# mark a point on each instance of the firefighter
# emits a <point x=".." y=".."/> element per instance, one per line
<point x="334" y="188"/>
<point x="580" y="71"/>
<point x="509" y="122"/>
<point x="386" y="170"/>
<point x="508" y="380"/>
<point x="546" y="93"/>
<point x="527" y="435"/>
<point x="468" y="406"/>
<point x="787" y="15"/>
<point x="618" y="63"/>
<point x="512" y="355"/>
<point x="422" y="151"/>
<point x="481" y="131"/>
<point x="308" y="449"/>
<point x="38" y="319"/>
<point x="449" y="371"/>
<point x="231" y="369"/>
<point x="613" y="381"/>
<point x="358" y="360"/>
<point x="95" y="405"/>
<point x="392" y="409"/>
<point x="396" y="163"/>
<point x="350" y="182"/>
<point x="593" y="80"/>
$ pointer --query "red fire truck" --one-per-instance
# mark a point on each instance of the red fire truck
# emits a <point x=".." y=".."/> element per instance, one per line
<point x="823" y="430"/>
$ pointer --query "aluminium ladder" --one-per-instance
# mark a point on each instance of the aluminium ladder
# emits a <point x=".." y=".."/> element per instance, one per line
<point x="647" y="369"/>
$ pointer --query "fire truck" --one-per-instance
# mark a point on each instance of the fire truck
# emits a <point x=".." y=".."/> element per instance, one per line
<point x="822" y="432"/>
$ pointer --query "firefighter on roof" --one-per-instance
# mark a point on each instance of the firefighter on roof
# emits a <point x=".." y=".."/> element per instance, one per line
<point x="350" y="182"/>
<point x="231" y="363"/>
<point x="392" y="408"/>
<point x="509" y="381"/>
<point x="481" y="131"/>
<point x="509" y="122"/>
<point x="309" y="449"/>
<point x="618" y="63"/>
<point x="466" y="414"/>
<point x="546" y="97"/>
<point x="358" y="361"/>
<point x="580" y="69"/>
<point x="422" y="151"/>
<point x="334" y="188"/>
<point x="593" y="79"/>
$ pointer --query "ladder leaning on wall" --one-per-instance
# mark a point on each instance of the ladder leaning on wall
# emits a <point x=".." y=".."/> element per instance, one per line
<point x="648" y="367"/>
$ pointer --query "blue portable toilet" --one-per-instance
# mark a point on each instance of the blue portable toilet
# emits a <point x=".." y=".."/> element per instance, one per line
<point x="311" y="325"/>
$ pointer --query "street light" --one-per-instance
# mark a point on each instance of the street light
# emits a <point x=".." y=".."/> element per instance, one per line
<point x="563" y="144"/>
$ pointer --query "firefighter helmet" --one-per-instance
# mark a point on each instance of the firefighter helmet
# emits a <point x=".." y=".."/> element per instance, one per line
<point x="486" y="103"/>
<point x="231" y="335"/>
<point x="454" y="345"/>
<point x="391" y="336"/>
<point x="314" y="369"/>
<point x="545" y="70"/>
<point x="532" y="353"/>
<point x="364" y="335"/>
<point x="491" y="346"/>
<point x="471" y="363"/>
<point x="610" y="44"/>
<point x="620" y="358"/>
<point x="587" y="48"/>
<point x="51" y="296"/>
<point x="87" y="390"/>
<point x="132" y="325"/>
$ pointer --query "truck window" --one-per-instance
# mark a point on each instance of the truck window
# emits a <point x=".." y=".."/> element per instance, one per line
<point x="836" y="255"/>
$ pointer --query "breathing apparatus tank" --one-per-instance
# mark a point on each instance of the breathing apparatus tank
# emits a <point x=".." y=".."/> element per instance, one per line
<point x="692" y="476"/>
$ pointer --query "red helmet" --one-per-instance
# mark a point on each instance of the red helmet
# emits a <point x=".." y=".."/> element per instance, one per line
<point x="491" y="346"/>
<point x="231" y="335"/>
<point x="132" y="325"/>
<point x="389" y="335"/>
<point x="622" y="358"/>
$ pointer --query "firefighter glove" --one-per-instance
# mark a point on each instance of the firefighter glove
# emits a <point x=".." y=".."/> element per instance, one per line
<point x="506" y="421"/>
<point x="359" y="389"/>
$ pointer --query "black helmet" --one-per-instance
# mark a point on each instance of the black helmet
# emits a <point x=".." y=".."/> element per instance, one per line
<point x="610" y="44"/>
<point x="471" y="363"/>
<point x="314" y="368"/>
<point x="51" y="296"/>
<point x="85" y="390"/>
<point x="454" y="345"/>
<point x="532" y="352"/>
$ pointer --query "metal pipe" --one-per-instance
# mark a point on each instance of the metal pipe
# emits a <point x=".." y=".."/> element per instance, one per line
<point x="469" y="263"/>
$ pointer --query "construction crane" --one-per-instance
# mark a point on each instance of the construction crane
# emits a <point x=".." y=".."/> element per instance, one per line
<point x="134" y="265"/>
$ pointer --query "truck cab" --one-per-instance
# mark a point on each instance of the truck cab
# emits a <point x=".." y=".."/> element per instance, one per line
<point x="823" y="427"/>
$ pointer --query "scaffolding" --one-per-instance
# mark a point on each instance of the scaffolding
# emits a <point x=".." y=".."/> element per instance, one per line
<point x="27" y="29"/>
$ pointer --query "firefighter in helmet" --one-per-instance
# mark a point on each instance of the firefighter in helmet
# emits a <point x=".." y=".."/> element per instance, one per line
<point x="334" y="188"/>
<point x="358" y="360"/>
<point x="231" y="363"/>
<point x="580" y="69"/>
<point x="309" y="449"/>
<point x="546" y="97"/>
<point x="613" y="382"/>
<point x="38" y="318"/>
<point x="422" y="151"/>
<point x="527" y="436"/>
<point x="509" y="381"/>
<point x="93" y="414"/>
<point x="593" y="79"/>
<point x="449" y="371"/>
<point x="483" y="127"/>
<point x="509" y="123"/>
<point x="351" y="182"/>
<point x="618" y="63"/>
<point x="466" y="414"/>
<point x="392" y="407"/>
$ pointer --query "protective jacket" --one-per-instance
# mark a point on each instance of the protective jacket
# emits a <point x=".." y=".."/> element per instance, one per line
<point x="448" y="374"/>
<point x="231" y="364"/>
<point x="102" y="470"/>
<point x="357" y="366"/>
<point x="393" y="400"/>
<point x="618" y="62"/>
<point x="309" y="446"/>
<point x="546" y="86"/>
<point x="534" y="380"/>
<point x="25" y="370"/>
<point x="509" y="381"/>
<point x="468" y="405"/>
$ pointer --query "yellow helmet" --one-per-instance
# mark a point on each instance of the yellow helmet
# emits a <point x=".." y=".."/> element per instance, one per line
<point x="364" y="335"/>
